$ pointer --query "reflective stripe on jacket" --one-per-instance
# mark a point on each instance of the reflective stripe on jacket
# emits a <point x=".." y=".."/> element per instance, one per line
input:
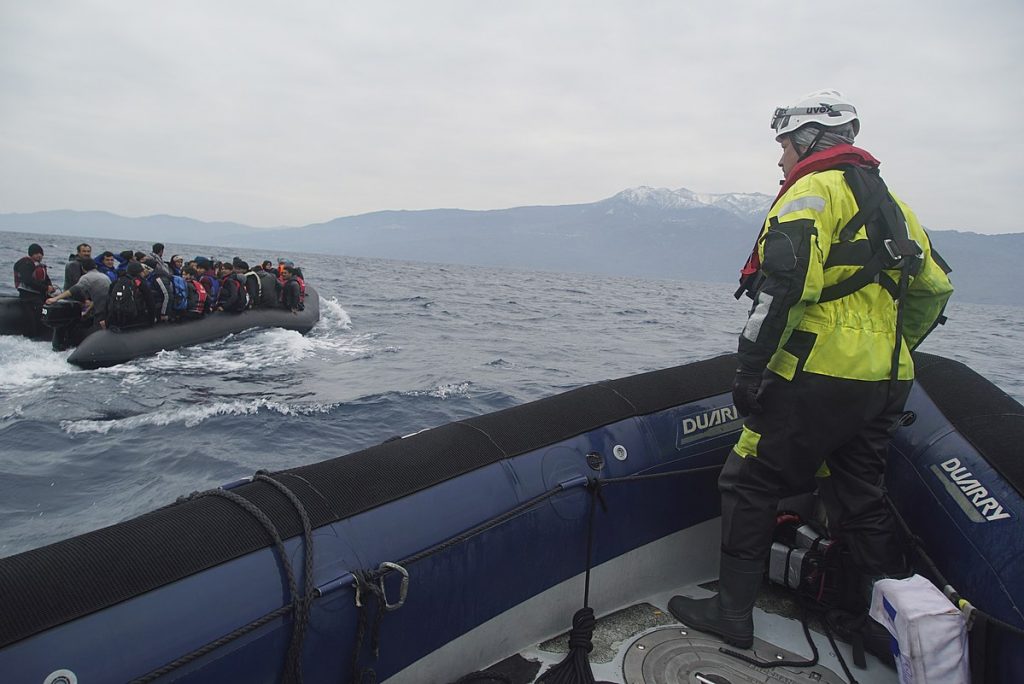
<point x="852" y="337"/>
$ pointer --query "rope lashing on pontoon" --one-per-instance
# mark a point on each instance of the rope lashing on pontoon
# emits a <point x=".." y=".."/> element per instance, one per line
<point x="979" y="623"/>
<point x="370" y="582"/>
<point x="575" y="668"/>
<point x="299" y="605"/>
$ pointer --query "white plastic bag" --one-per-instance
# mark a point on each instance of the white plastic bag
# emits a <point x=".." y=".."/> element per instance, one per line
<point x="930" y="633"/>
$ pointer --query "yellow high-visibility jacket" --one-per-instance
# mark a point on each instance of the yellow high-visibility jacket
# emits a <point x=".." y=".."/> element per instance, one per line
<point x="851" y="337"/>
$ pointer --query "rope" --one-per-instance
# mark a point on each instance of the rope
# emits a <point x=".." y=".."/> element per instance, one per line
<point x="918" y="545"/>
<point x="835" y="649"/>
<point x="368" y="581"/>
<point x="484" y="676"/>
<point x="303" y="604"/>
<point x="212" y="646"/>
<point x="299" y="605"/>
<point x="782" y="663"/>
<point x="366" y="585"/>
<point x="575" y="668"/>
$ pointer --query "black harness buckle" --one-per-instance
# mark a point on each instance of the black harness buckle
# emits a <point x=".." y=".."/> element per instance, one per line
<point x="896" y="250"/>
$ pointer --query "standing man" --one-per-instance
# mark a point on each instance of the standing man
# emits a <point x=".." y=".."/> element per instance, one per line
<point x="73" y="271"/>
<point x="157" y="255"/>
<point x="33" y="285"/>
<point x="844" y="283"/>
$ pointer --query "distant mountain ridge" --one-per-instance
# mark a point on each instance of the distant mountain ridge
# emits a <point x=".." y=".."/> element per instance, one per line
<point x="643" y="231"/>
<point x="741" y="204"/>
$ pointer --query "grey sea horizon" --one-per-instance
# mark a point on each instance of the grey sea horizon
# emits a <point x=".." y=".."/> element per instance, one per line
<point x="401" y="346"/>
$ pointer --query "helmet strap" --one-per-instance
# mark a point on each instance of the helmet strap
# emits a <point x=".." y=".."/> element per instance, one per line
<point x="810" y="148"/>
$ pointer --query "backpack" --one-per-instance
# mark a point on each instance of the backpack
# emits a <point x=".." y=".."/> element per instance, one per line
<point x="181" y="294"/>
<point x="302" y="293"/>
<point x="232" y="285"/>
<point x="196" y="297"/>
<point x="123" y="305"/>
<point x="212" y="287"/>
<point x="254" y="286"/>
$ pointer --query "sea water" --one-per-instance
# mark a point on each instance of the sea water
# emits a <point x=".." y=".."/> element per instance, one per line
<point x="400" y="347"/>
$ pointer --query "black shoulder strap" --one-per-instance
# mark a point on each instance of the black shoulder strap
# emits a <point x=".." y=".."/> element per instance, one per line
<point x="886" y="229"/>
<point x="869" y="190"/>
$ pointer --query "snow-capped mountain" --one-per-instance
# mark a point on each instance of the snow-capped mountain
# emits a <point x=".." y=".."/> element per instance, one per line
<point x="643" y="231"/>
<point x="740" y="203"/>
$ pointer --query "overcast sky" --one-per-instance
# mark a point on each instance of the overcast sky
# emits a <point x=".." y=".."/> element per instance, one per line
<point x="289" y="113"/>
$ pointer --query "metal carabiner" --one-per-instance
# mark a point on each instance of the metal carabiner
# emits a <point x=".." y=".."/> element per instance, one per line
<point x="403" y="589"/>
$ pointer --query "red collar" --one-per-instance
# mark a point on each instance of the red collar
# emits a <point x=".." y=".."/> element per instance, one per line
<point x="819" y="161"/>
<point x="828" y="159"/>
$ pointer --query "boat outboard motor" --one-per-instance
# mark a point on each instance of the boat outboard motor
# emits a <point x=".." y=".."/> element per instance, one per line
<point x="63" y="316"/>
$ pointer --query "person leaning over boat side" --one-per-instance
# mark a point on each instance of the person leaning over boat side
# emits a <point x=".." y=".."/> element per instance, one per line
<point x="816" y="377"/>
<point x="91" y="289"/>
<point x="74" y="268"/>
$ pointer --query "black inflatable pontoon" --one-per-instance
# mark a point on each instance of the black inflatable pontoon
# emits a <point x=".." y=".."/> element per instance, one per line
<point x="109" y="348"/>
<point x="14" y="319"/>
<point x="427" y="557"/>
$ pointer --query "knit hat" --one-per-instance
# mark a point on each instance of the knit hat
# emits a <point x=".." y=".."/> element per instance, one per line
<point x="34" y="248"/>
<point x="826" y="137"/>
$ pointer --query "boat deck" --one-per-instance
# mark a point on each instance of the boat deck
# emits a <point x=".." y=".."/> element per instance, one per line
<point x="644" y="644"/>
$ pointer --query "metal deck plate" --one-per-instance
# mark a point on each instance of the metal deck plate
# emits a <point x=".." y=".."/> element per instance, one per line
<point x="675" y="655"/>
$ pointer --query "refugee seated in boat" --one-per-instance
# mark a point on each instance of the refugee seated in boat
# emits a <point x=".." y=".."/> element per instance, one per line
<point x="232" y="298"/>
<point x="207" y="276"/>
<point x="130" y="301"/>
<point x="176" y="264"/>
<point x="107" y="265"/>
<point x="197" y="296"/>
<point x="293" y="292"/>
<point x="163" y="291"/>
<point x="269" y="288"/>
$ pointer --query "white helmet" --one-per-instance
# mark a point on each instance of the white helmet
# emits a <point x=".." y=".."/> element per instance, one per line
<point x="824" y="107"/>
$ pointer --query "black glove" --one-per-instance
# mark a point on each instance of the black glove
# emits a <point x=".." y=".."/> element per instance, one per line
<point x="746" y="387"/>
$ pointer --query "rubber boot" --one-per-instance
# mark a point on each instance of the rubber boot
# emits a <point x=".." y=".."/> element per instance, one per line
<point x="729" y="614"/>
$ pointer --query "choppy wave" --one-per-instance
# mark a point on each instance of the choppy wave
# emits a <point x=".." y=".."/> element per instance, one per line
<point x="26" y="363"/>
<point x="413" y="346"/>
<point x="192" y="416"/>
<point x="445" y="391"/>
